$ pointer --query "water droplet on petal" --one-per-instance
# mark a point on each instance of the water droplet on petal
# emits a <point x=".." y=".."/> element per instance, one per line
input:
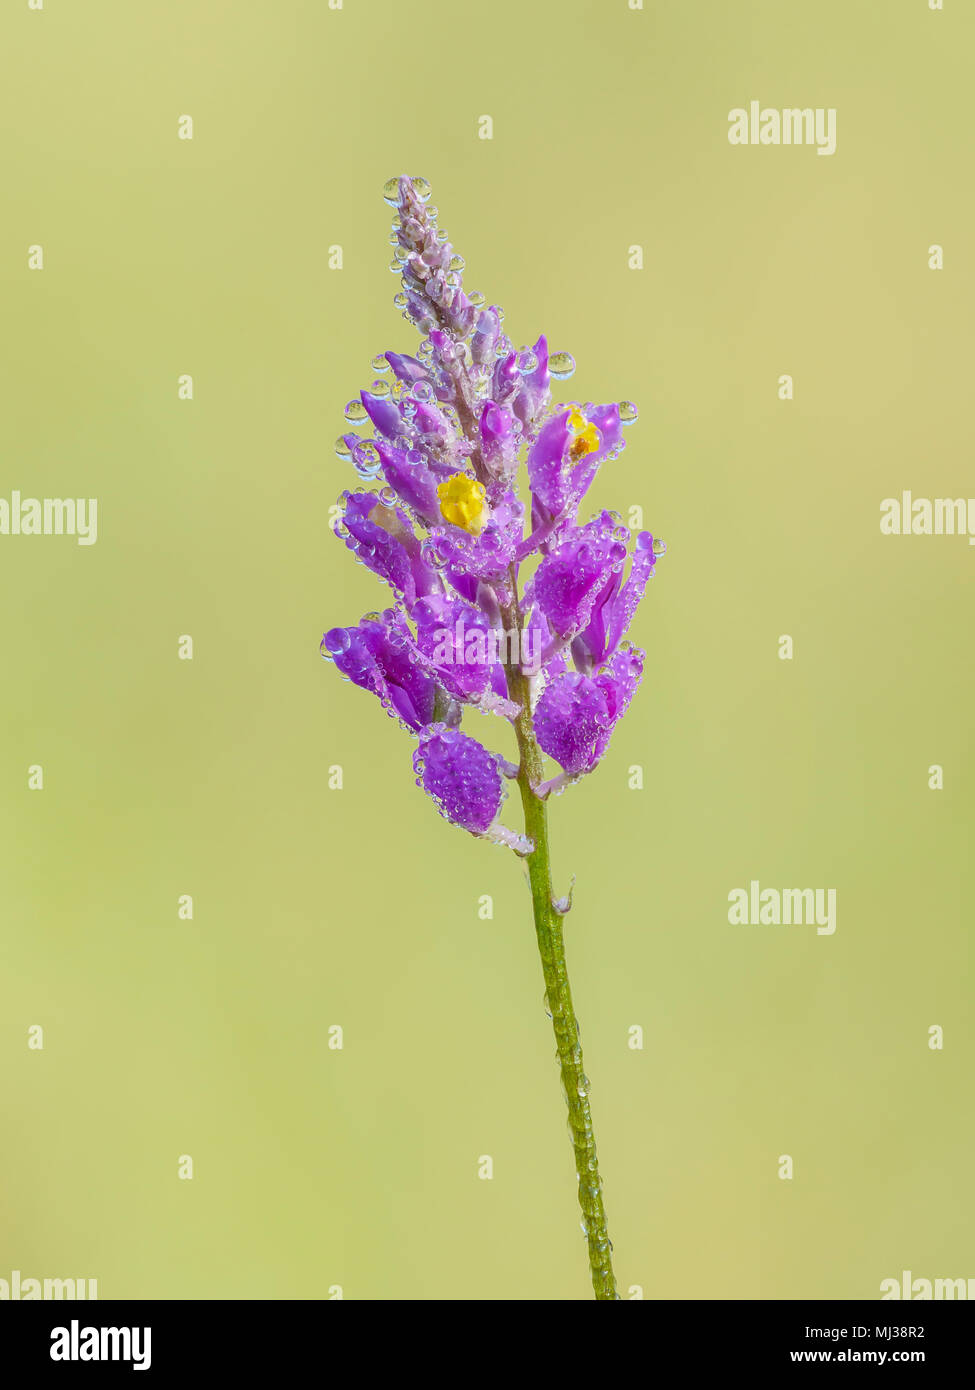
<point x="628" y="412"/>
<point x="341" y="448"/>
<point x="337" y="641"/>
<point x="391" y="192"/>
<point x="356" y="412"/>
<point x="659" y="548"/>
<point x="421" y="188"/>
<point x="561" y="365"/>
<point x="379" y="363"/>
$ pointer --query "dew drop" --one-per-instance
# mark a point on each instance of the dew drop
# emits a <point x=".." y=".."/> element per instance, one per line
<point x="391" y="192"/>
<point x="561" y="365"/>
<point x="356" y="412"/>
<point x="421" y="187"/>
<point x="341" y="448"/>
<point x="628" y="412"/>
<point x="379" y="363"/>
<point x="659" y="548"/>
<point x="337" y="641"/>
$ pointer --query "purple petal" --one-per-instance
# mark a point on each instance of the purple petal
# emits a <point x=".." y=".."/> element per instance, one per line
<point x="614" y="609"/>
<point x="545" y="462"/>
<point x="407" y="369"/>
<point x="569" y="580"/>
<point x="458" y="645"/>
<point x="572" y="722"/>
<point x="384" y="414"/>
<point x="534" y="395"/>
<point x="619" y="679"/>
<point x="383" y="539"/>
<point x="485" y="340"/>
<point x="558" y="483"/>
<point x="506" y="377"/>
<point x="413" y="476"/>
<point x="461" y="776"/>
<point x="375" y="656"/>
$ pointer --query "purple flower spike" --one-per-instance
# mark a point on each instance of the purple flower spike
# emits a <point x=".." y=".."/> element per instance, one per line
<point x="505" y="604"/>
<point x="461" y="776"/>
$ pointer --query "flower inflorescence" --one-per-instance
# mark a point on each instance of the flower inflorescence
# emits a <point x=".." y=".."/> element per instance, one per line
<point x="446" y="529"/>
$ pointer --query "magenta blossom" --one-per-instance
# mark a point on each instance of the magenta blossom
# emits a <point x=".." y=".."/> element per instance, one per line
<point x="448" y="531"/>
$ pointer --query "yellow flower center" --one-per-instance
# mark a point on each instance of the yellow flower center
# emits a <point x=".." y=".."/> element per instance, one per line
<point x="585" y="436"/>
<point x="462" y="502"/>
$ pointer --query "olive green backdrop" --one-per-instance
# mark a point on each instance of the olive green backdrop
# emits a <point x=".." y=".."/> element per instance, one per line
<point x="315" y="1167"/>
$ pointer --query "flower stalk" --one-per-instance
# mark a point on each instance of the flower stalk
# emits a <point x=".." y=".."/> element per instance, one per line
<point x="558" y="994"/>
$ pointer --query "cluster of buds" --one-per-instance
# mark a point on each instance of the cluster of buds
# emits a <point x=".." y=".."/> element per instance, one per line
<point x="438" y="517"/>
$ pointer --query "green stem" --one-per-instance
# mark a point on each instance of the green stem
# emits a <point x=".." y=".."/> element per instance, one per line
<point x="551" y="948"/>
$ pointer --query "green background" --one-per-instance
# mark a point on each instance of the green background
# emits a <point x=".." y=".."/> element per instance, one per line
<point x="316" y="1167"/>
